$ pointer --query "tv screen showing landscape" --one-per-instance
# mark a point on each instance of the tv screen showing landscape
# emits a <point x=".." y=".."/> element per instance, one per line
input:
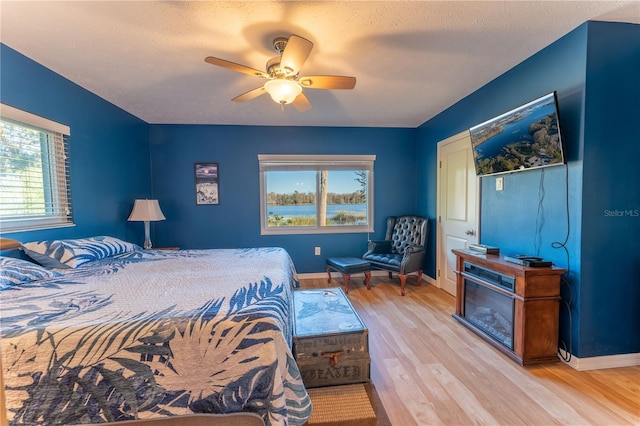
<point x="524" y="138"/>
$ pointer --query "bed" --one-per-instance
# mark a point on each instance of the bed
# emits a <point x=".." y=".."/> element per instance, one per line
<point x="142" y="334"/>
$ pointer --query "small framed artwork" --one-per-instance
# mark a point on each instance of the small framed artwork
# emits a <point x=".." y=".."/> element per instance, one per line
<point x="207" y="181"/>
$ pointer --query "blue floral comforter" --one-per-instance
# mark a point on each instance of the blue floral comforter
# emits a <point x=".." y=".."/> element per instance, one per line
<point x="151" y="334"/>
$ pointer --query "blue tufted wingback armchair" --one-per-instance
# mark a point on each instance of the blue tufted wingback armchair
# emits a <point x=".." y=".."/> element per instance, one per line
<point x="403" y="249"/>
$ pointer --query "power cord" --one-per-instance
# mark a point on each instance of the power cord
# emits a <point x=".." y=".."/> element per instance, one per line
<point x="564" y="279"/>
<point x="539" y="214"/>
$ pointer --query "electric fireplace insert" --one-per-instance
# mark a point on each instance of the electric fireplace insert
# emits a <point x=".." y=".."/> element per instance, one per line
<point x="489" y="302"/>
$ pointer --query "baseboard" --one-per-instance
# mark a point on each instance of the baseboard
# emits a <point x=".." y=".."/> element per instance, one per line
<point x="602" y="362"/>
<point x="428" y="279"/>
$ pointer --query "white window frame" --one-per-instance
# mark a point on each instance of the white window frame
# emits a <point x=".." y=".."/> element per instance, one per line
<point x="55" y="169"/>
<point x="294" y="162"/>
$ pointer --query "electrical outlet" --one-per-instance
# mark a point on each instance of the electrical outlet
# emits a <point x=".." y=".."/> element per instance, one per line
<point x="317" y="251"/>
<point x="499" y="183"/>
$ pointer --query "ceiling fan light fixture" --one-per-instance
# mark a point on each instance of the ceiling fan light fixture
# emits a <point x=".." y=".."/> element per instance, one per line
<point x="282" y="74"/>
<point x="283" y="91"/>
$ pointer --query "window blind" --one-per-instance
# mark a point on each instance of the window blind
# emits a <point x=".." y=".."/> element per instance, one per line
<point x="315" y="162"/>
<point x="34" y="172"/>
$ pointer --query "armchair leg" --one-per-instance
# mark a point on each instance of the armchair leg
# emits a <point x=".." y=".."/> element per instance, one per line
<point x="367" y="279"/>
<point x="403" y="281"/>
<point x="419" y="277"/>
<point x="390" y="276"/>
<point x="329" y="273"/>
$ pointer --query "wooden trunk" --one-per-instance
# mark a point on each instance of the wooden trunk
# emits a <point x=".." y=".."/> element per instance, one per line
<point x="330" y="341"/>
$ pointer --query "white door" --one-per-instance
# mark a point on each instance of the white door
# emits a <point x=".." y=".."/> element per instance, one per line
<point x="457" y="225"/>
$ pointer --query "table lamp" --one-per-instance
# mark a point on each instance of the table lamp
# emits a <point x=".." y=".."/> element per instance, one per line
<point x="146" y="211"/>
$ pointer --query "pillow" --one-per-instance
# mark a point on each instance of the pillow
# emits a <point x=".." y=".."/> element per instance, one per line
<point x="14" y="272"/>
<point x="73" y="253"/>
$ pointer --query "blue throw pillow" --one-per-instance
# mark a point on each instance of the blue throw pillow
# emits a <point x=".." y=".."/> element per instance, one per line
<point x="14" y="272"/>
<point x="73" y="253"/>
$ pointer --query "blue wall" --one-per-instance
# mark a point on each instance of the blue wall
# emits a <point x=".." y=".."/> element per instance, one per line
<point x="594" y="70"/>
<point x="559" y="67"/>
<point x="610" y="279"/>
<point x="109" y="148"/>
<point x="235" y="222"/>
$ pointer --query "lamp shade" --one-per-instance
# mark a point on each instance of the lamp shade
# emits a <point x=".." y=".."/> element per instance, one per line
<point x="283" y="91"/>
<point x="146" y="211"/>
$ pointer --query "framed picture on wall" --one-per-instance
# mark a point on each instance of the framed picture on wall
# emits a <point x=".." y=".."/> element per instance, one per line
<point x="207" y="181"/>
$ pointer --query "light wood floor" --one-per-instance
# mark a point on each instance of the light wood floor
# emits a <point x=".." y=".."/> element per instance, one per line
<point x="428" y="369"/>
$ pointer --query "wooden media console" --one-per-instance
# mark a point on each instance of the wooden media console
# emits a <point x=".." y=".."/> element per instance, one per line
<point x="513" y="307"/>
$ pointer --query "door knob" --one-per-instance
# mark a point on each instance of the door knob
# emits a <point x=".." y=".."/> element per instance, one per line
<point x="470" y="232"/>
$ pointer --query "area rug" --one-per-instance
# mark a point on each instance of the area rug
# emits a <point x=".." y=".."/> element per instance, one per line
<point x="347" y="405"/>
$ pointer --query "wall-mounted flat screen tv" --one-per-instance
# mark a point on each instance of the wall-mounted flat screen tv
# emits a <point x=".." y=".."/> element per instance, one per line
<point x="525" y="138"/>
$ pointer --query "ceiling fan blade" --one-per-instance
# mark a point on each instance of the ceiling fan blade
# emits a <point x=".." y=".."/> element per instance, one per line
<point x="235" y="67"/>
<point x="301" y="103"/>
<point x="251" y="94"/>
<point x="327" y="82"/>
<point x="295" y="54"/>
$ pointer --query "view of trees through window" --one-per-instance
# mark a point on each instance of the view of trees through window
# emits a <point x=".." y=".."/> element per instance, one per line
<point x="316" y="198"/>
<point x="22" y="184"/>
<point x="35" y="188"/>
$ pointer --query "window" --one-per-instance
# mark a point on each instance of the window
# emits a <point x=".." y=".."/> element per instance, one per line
<point x="307" y="194"/>
<point x="34" y="172"/>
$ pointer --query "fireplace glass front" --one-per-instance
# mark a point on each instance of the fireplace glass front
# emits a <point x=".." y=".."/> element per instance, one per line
<point x="489" y="310"/>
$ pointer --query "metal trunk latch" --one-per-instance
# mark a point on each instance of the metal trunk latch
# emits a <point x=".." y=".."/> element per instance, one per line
<point x="333" y="357"/>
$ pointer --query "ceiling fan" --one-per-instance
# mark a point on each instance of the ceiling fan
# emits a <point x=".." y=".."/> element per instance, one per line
<point x="283" y="74"/>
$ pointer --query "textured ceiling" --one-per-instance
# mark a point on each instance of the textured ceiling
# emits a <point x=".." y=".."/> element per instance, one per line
<point x="412" y="59"/>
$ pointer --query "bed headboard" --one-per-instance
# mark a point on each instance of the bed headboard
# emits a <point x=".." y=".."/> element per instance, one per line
<point x="9" y="244"/>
